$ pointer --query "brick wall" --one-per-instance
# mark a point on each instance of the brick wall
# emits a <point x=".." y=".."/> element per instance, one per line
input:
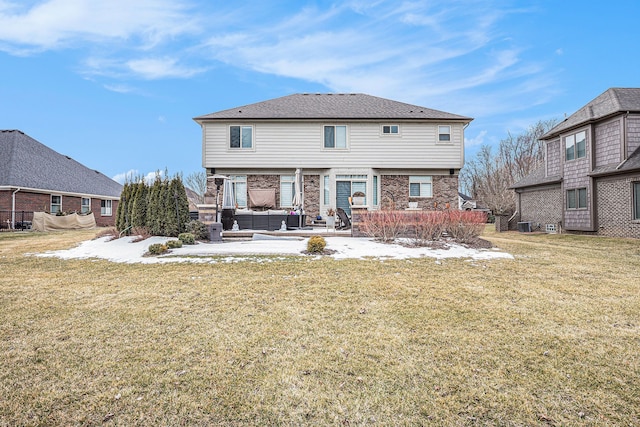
<point x="395" y="192"/>
<point x="38" y="202"/>
<point x="541" y="206"/>
<point x="615" y="207"/>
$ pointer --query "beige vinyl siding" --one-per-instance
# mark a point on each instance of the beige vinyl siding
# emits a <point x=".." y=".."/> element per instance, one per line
<point x="292" y="144"/>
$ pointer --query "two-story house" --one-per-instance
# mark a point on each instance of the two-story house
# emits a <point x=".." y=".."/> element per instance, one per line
<point x="392" y="152"/>
<point x="590" y="179"/>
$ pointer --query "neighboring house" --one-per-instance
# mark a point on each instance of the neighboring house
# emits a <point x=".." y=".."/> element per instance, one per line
<point x="467" y="203"/>
<point x="34" y="178"/>
<point x="590" y="179"/>
<point x="394" y="153"/>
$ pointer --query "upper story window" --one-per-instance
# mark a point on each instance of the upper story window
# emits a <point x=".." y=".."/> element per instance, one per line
<point x="576" y="146"/>
<point x="636" y="200"/>
<point x="390" y="129"/>
<point x="105" y="207"/>
<point x="335" y="137"/>
<point x="444" y="133"/>
<point x="241" y="137"/>
<point x="420" y="186"/>
<point x="577" y="198"/>
<point x="56" y="204"/>
<point x="85" y="205"/>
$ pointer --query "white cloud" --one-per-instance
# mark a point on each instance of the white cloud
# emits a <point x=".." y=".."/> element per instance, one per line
<point x="133" y="175"/>
<point x="159" y="68"/>
<point x="477" y="140"/>
<point x="59" y="23"/>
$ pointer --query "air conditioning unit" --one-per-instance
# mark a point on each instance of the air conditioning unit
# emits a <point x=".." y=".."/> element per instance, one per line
<point x="524" y="227"/>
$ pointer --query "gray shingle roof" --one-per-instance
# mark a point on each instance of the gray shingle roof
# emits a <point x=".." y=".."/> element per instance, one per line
<point x="26" y="163"/>
<point x="631" y="164"/>
<point x="537" y="177"/>
<point x="612" y="101"/>
<point x="306" y="106"/>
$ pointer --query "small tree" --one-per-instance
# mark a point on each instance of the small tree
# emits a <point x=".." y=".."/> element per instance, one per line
<point x="197" y="182"/>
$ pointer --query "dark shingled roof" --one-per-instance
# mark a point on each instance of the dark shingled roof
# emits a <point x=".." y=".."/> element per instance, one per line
<point x="631" y="164"/>
<point x="536" y="178"/>
<point x="612" y="101"/>
<point x="26" y="163"/>
<point x="306" y="106"/>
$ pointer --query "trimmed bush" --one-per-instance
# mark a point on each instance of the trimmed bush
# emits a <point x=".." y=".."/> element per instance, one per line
<point x="198" y="229"/>
<point x="157" y="249"/>
<point x="174" y="244"/>
<point x="316" y="244"/>
<point x="187" y="238"/>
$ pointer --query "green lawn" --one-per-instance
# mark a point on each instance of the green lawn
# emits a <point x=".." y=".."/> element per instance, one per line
<point x="550" y="338"/>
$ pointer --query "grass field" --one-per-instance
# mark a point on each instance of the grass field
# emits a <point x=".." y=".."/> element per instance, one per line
<point x="550" y="338"/>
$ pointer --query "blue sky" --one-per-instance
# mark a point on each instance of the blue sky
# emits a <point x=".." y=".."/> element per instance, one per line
<point x="115" y="84"/>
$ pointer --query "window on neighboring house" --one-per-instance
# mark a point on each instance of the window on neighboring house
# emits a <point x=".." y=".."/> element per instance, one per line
<point x="56" y="204"/>
<point x="420" y="186"/>
<point x="576" y="146"/>
<point x="636" y="200"/>
<point x="390" y="129"/>
<point x="335" y="137"/>
<point x="239" y="185"/>
<point x="105" y="207"/>
<point x="287" y="190"/>
<point x="577" y="198"/>
<point x="444" y="133"/>
<point x="241" y="137"/>
<point x="85" y="205"/>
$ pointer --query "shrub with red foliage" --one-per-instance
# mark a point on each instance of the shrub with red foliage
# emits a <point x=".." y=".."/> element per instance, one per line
<point x="465" y="226"/>
<point x="423" y="227"/>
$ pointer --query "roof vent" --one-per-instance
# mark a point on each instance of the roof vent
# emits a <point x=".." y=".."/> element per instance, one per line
<point x="68" y="157"/>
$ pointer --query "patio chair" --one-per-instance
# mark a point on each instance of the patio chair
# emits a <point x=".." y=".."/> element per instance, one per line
<point x="345" y="223"/>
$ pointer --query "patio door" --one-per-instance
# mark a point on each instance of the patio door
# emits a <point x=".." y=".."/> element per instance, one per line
<point x="346" y="185"/>
<point x="343" y="192"/>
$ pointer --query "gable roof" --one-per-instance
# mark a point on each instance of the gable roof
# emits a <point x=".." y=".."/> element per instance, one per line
<point x="28" y="164"/>
<point x="612" y="101"/>
<point x="305" y="106"/>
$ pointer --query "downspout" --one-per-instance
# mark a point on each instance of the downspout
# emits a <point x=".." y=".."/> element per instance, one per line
<point x="13" y="208"/>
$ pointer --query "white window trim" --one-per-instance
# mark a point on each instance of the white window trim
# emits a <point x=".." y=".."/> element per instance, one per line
<point x="253" y="137"/>
<point x="389" y="134"/>
<point x="346" y="137"/>
<point x="413" y="180"/>
<point x="287" y="180"/>
<point x="51" y="204"/>
<point x="82" y="206"/>
<point x="234" y="180"/>
<point x="103" y="209"/>
<point x="438" y="133"/>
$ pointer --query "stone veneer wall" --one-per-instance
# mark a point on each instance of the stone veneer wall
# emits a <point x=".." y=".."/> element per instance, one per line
<point x="395" y="192"/>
